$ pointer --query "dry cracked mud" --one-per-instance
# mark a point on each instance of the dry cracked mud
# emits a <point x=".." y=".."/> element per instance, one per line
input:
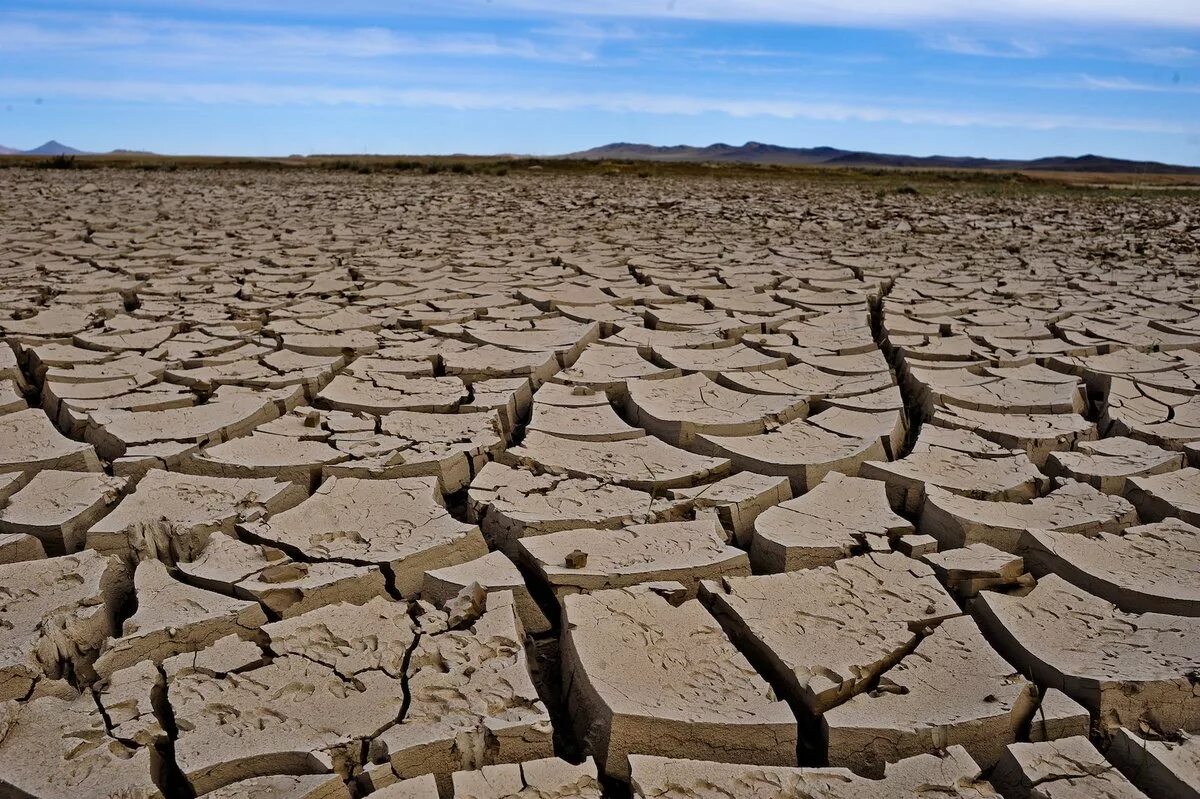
<point x="317" y="485"/>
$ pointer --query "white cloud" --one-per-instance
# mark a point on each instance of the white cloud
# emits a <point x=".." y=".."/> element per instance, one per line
<point x="1127" y="85"/>
<point x="669" y="104"/>
<point x="880" y="13"/>
<point x="233" y="42"/>
<point x="964" y="45"/>
<point x="1079" y="82"/>
<point x="1170" y="56"/>
<point x="851" y="13"/>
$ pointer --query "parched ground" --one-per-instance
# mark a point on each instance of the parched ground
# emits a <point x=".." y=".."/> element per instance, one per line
<point x="337" y="485"/>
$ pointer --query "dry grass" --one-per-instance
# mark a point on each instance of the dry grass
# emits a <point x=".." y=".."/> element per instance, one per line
<point x="883" y="179"/>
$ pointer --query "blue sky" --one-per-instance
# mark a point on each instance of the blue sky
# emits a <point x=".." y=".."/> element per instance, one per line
<point x="1004" y="78"/>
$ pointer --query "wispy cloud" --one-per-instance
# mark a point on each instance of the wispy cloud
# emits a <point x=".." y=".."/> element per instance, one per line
<point x="1167" y="55"/>
<point x="1073" y="83"/>
<point x="649" y="103"/>
<point x="964" y="45"/>
<point x="1127" y="85"/>
<point x="764" y="53"/>
<point x="880" y="13"/>
<point x="234" y="42"/>
<point x="1171" y="14"/>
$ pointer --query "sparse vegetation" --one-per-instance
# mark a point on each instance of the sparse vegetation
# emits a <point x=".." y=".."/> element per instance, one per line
<point x="884" y="181"/>
<point x="62" y="162"/>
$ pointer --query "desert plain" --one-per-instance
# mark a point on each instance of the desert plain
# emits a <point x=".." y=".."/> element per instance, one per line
<point x="317" y="484"/>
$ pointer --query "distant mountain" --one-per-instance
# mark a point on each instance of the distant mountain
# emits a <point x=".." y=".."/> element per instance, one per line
<point x="751" y="152"/>
<point x="54" y="148"/>
<point x="758" y="153"/>
<point x="51" y="147"/>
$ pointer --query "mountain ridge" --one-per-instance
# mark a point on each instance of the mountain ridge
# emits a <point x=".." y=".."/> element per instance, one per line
<point x="51" y="147"/>
<point x="753" y="152"/>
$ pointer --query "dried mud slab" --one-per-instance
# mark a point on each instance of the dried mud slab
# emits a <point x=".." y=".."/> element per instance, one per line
<point x="294" y="447"/>
<point x="489" y="362"/>
<point x="55" y="748"/>
<point x="679" y="688"/>
<point x="534" y="779"/>
<point x="952" y="774"/>
<point x="69" y="403"/>
<point x="284" y="586"/>
<point x="276" y="369"/>
<point x="1150" y="568"/>
<point x="1165" y="418"/>
<point x="888" y="425"/>
<point x="800" y="450"/>
<point x="1162" y="769"/>
<point x="128" y="699"/>
<point x="12" y="398"/>
<point x="1077" y="508"/>
<point x="715" y="362"/>
<point x="1108" y="464"/>
<point x="962" y="463"/>
<point x="307" y="444"/>
<point x="611" y="369"/>
<point x="683" y="552"/>
<point x="58" y="507"/>
<point x="226" y="655"/>
<point x="1099" y="370"/>
<point x="1126" y="668"/>
<point x="806" y="380"/>
<point x="230" y="412"/>
<point x="1066" y="769"/>
<point x="1058" y="716"/>
<point x="1040" y="436"/>
<point x="561" y="337"/>
<point x="11" y="483"/>
<point x="679" y="409"/>
<point x="383" y="393"/>
<point x="305" y="712"/>
<point x="16" y="547"/>
<point x="56" y="614"/>
<point x="509" y="504"/>
<point x="171" y="516"/>
<point x="472" y="702"/>
<point x="172" y="618"/>
<point x="31" y="443"/>
<point x="645" y="464"/>
<point x="400" y="525"/>
<point x="1176" y="494"/>
<point x="509" y="397"/>
<point x="492" y="572"/>
<point x="966" y="571"/>
<point x="952" y="690"/>
<point x="738" y="501"/>
<point x="824" y="525"/>
<point x="579" y="414"/>
<point x="287" y="786"/>
<point x="826" y="633"/>
<point x="961" y="389"/>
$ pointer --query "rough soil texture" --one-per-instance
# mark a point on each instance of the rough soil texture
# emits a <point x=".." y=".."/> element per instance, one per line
<point x="324" y="486"/>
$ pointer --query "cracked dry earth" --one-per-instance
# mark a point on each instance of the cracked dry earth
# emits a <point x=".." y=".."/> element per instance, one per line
<point x="316" y="486"/>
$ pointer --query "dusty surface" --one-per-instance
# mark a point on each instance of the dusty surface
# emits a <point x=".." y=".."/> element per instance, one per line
<point x="1063" y="769"/>
<point x="330" y="485"/>
<point x="951" y="775"/>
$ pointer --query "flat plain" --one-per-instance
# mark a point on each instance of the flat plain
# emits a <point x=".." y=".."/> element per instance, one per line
<point x="505" y="482"/>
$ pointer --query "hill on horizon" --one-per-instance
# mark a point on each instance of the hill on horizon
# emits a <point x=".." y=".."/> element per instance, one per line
<point x="51" y="147"/>
<point x="759" y="153"/>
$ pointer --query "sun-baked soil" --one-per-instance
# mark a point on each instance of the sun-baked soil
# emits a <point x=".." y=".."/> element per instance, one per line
<point x="327" y="485"/>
